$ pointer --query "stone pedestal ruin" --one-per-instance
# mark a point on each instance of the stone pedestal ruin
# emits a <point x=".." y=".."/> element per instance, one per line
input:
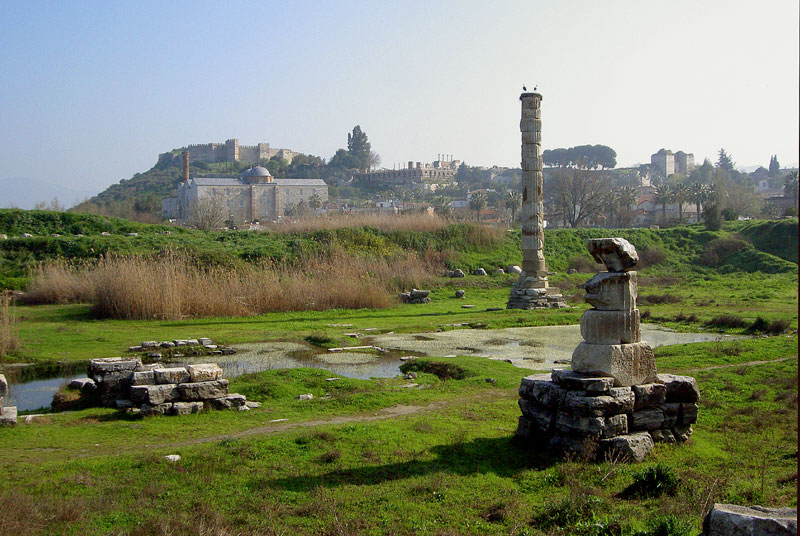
<point x="613" y="402"/>
<point x="8" y="415"/>
<point x="127" y="384"/>
<point x="532" y="290"/>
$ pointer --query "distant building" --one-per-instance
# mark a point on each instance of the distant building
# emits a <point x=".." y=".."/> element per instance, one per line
<point x="666" y="163"/>
<point x="430" y="177"/>
<point x="230" y="151"/>
<point x="253" y="196"/>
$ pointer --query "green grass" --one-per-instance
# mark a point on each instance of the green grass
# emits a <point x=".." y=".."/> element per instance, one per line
<point x="454" y="468"/>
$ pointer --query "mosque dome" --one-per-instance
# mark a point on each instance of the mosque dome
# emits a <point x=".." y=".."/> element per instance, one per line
<point x="257" y="174"/>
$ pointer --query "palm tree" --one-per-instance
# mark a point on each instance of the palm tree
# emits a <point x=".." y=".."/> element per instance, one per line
<point x="663" y="196"/>
<point x="513" y="202"/>
<point x="314" y="202"/>
<point x="679" y="195"/>
<point x="622" y="199"/>
<point x="442" y="206"/>
<point x="478" y="203"/>
<point x="697" y="193"/>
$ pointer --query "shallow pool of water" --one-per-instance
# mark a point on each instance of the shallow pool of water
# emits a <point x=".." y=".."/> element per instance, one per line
<point x="535" y="348"/>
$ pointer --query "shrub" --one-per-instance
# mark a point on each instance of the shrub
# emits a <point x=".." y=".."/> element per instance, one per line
<point x="569" y="511"/>
<point x="726" y="321"/>
<point x="719" y="249"/>
<point x="656" y="299"/>
<point x="651" y="256"/>
<point x="653" y="481"/>
<point x="318" y="339"/>
<point x="444" y="371"/>
<point x="584" y="265"/>
<point x="712" y="218"/>
<point x="776" y="327"/>
<point x="667" y="525"/>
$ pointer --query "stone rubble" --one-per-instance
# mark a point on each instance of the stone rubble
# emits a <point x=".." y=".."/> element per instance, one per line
<point x="153" y="389"/>
<point x="613" y="403"/>
<point x="415" y="296"/>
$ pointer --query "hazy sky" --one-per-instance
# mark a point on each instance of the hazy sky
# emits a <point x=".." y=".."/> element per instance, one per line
<point x="91" y="92"/>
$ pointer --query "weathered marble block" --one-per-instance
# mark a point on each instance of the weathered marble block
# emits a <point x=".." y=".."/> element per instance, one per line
<point x="233" y="400"/>
<point x="185" y="408"/>
<point x="154" y="395"/>
<point x="107" y="365"/>
<point x="8" y="417"/>
<point x="631" y="447"/>
<point x="3" y="386"/>
<point x="610" y="327"/>
<point x="628" y="364"/>
<point x="647" y="419"/>
<point x="649" y="395"/>
<point x="591" y="426"/>
<point x="680" y="388"/>
<point x="735" y="520"/>
<point x="205" y="372"/>
<point x="617" y="254"/>
<point x="593" y="385"/>
<point x="612" y="291"/>
<point x="203" y="390"/>
<point x="145" y="377"/>
<point x="171" y="375"/>
<point x="148" y="410"/>
<point x="620" y="400"/>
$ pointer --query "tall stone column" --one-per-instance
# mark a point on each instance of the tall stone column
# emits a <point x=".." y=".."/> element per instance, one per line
<point x="532" y="289"/>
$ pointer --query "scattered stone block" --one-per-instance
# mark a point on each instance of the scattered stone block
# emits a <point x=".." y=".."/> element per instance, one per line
<point x="593" y="385"/>
<point x="619" y="401"/>
<point x="185" y="408"/>
<point x="84" y="385"/>
<point x="610" y="327"/>
<point x="734" y="520"/>
<point x="682" y="432"/>
<point x="108" y="365"/>
<point x="149" y="344"/>
<point x="617" y="254"/>
<point x="458" y="273"/>
<point x="631" y="447"/>
<point x="150" y="366"/>
<point x="123" y="404"/>
<point x="460" y="293"/>
<point x="146" y="410"/>
<point x="173" y="458"/>
<point x="205" y="372"/>
<point x="204" y="341"/>
<point x="192" y="342"/>
<point x="203" y="390"/>
<point x="479" y="271"/>
<point x="230" y="401"/>
<point x="144" y="377"/>
<point x="647" y="419"/>
<point x="649" y="395"/>
<point x="680" y="388"/>
<point x="628" y="364"/>
<point x="662" y="436"/>
<point x="171" y="375"/>
<point x="514" y="269"/>
<point x="167" y="344"/>
<point x="252" y="404"/>
<point x="154" y="395"/>
<point x="307" y="396"/>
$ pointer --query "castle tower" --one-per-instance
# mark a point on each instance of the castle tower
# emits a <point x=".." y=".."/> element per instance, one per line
<point x="532" y="290"/>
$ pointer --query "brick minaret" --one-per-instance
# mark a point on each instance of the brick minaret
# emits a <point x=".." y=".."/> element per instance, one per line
<point x="531" y="290"/>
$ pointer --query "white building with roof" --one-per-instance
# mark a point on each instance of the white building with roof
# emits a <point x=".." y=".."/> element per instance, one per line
<point x="253" y="196"/>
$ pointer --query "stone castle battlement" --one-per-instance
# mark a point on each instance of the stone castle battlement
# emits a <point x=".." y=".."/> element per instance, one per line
<point x="230" y="151"/>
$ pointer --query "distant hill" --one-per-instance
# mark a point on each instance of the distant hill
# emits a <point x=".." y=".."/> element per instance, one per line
<point x="25" y="193"/>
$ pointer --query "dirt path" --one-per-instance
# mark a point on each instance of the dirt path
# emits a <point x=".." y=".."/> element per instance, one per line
<point x="733" y="365"/>
<point x="382" y="414"/>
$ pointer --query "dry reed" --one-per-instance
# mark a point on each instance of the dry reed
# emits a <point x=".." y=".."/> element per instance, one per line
<point x="173" y="285"/>
<point x="9" y="333"/>
<point x="383" y="222"/>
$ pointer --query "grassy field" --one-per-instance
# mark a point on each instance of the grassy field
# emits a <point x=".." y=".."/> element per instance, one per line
<point x="374" y="457"/>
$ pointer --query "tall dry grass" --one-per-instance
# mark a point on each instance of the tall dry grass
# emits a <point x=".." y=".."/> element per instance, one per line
<point x="173" y="285"/>
<point x="9" y="334"/>
<point x="383" y="222"/>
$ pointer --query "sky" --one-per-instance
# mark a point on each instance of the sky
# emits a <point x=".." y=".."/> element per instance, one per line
<point x="92" y="92"/>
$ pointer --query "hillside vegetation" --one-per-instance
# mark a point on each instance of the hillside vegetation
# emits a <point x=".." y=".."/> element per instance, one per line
<point x="765" y="246"/>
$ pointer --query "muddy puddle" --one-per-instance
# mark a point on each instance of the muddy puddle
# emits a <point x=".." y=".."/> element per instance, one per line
<point x="534" y="348"/>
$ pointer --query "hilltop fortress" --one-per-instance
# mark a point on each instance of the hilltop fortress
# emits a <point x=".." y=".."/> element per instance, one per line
<point x="230" y="151"/>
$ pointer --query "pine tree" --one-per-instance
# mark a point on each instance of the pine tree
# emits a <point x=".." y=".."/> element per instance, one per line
<point x="774" y="166"/>
<point x="358" y="146"/>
